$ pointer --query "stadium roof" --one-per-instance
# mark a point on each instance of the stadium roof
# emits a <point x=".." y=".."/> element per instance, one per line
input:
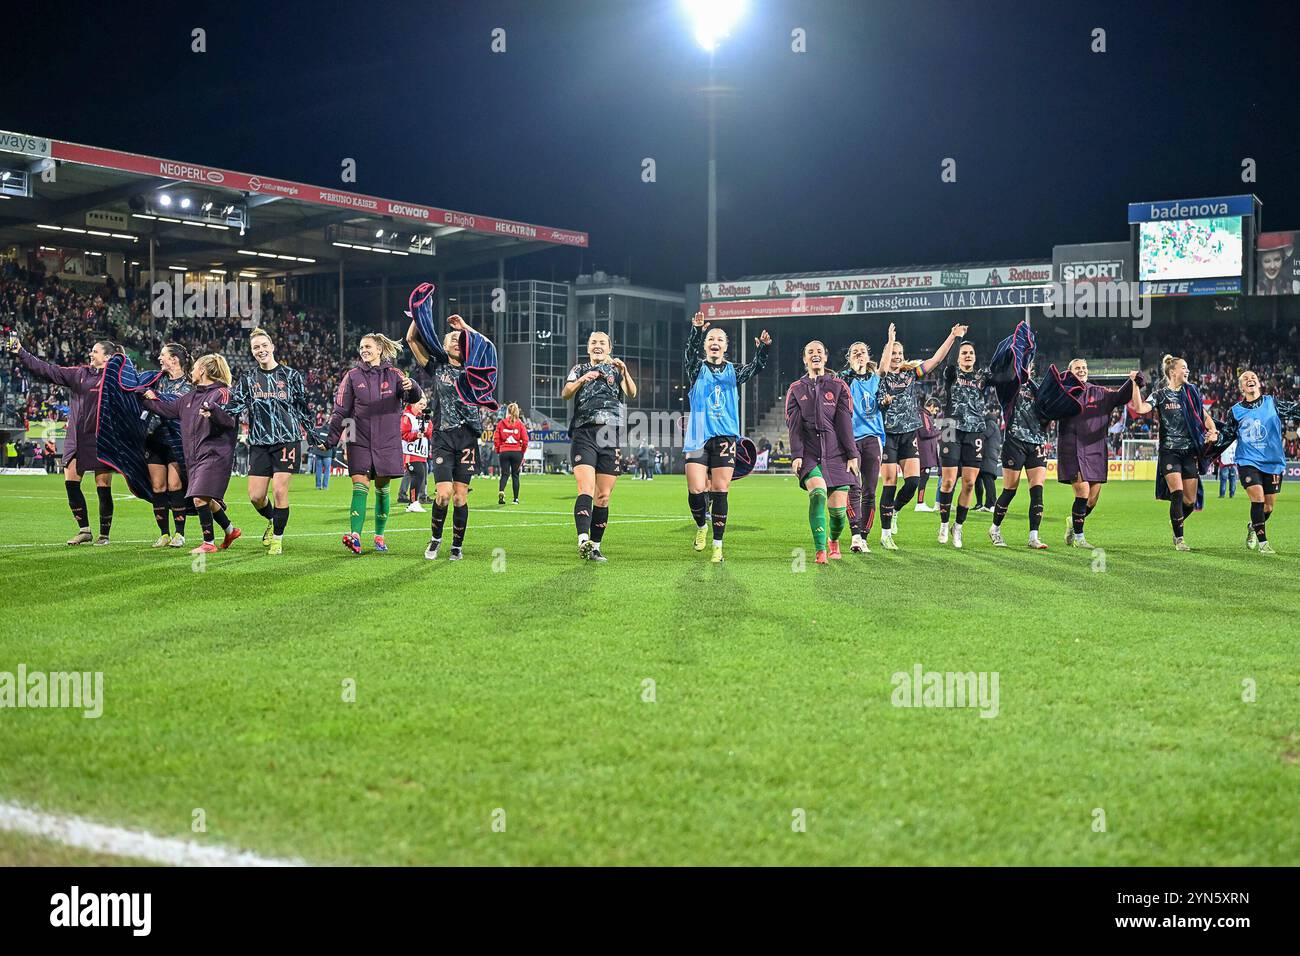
<point x="203" y="217"/>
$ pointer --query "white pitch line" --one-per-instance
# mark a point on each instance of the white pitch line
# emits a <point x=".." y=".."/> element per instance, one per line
<point x="131" y="844"/>
<point x="339" y="534"/>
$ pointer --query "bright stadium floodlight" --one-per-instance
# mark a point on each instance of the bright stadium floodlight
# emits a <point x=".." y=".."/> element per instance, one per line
<point x="711" y="20"/>
<point x="164" y="199"/>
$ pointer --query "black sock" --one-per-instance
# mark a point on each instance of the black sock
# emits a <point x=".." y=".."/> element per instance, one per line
<point x="1189" y="508"/>
<point x="1078" y="512"/>
<point x="600" y="520"/>
<point x="77" y="502"/>
<point x="1004" y="502"/>
<point x="205" y="519"/>
<point x="962" y="512"/>
<point x="920" y="490"/>
<point x="1035" y="507"/>
<point x="696" y="502"/>
<point x="265" y="509"/>
<point x="719" y="515"/>
<point x="901" y="498"/>
<point x="1268" y="513"/>
<point x="1176" y="514"/>
<point x="1258" y="519"/>
<point x="582" y="514"/>
<point x="160" y="510"/>
<point x="459" y="521"/>
<point x="1088" y="509"/>
<point x="179" y="510"/>
<point x="279" y="518"/>
<point x="855" y="509"/>
<point x="887" y="508"/>
<point x="439" y="516"/>
<point x="105" y="510"/>
<point x="945" y="505"/>
<point x="220" y="518"/>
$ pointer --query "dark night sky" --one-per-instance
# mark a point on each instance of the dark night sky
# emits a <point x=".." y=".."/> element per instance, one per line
<point x="828" y="159"/>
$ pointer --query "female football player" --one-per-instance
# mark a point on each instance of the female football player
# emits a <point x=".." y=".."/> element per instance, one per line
<point x="208" y="434"/>
<point x="79" y="447"/>
<point x="1179" y="458"/>
<point x="1022" y="450"/>
<point x="456" y="432"/>
<point x="713" y="429"/>
<point x="161" y="442"/>
<point x="900" y="382"/>
<point x="597" y="387"/>
<point x="868" y="436"/>
<point x="819" y="415"/>
<point x="1255" y="423"/>
<point x="1081" y="447"/>
<point x="962" y="448"/>
<point x="275" y="398"/>
<point x="371" y="397"/>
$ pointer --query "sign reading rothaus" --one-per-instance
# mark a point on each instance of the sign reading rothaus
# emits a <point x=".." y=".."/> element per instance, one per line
<point x="945" y="277"/>
<point x="25" y="144"/>
<point x="1093" y="262"/>
<point x="1191" y="208"/>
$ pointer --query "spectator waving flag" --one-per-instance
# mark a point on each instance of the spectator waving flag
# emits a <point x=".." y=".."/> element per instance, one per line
<point x="478" y="379"/>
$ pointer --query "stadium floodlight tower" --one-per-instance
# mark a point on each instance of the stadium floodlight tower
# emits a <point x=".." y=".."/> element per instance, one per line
<point x="711" y="20"/>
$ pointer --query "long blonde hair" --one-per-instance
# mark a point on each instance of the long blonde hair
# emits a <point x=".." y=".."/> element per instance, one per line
<point x="213" y="366"/>
<point x="512" y="411"/>
<point x="388" y="348"/>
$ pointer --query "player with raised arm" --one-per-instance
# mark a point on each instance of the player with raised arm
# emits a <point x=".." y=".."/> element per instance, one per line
<point x="1178" y="465"/>
<point x="274" y="397"/>
<point x="900" y="384"/>
<point x="80" y="453"/>
<point x="713" y="428"/>
<point x="1081" y="459"/>
<point x="961" y="447"/>
<point x="1022" y="450"/>
<point x="819" y="416"/>
<point x="597" y="387"/>
<point x="1255" y="423"/>
<point x="863" y="380"/>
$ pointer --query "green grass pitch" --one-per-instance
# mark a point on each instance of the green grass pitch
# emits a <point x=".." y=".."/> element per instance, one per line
<point x="512" y="687"/>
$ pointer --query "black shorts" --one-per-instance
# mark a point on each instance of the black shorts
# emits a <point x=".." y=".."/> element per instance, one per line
<point x="717" y="453"/>
<point x="1250" y="476"/>
<point x="158" y="450"/>
<point x="966" y="451"/>
<point x="1017" y="454"/>
<point x="899" y="446"/>
<point x="453" y="454"/>
<point x="585" y="449"/>
<point x="1179" y="463"/>
<point x="267" y="460"/>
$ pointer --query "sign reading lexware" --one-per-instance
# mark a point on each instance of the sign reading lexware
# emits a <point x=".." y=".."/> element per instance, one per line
<point x="22" y="143"/>
<point x="244" y="182"/>
<point x="1215" y="208"/>
<point x="946" y="277"/>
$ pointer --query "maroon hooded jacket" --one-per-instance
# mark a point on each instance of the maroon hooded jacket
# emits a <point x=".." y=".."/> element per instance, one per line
<point x="209" y="442"/>
<point x="84" y="383"/>
<point x="819" y="414"/>
<point x="1081" y="442"/>
<point x="373" y="398"/>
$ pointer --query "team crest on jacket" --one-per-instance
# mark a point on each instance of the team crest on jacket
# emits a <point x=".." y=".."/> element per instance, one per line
<point x="438" y="460"/>
<point x="830" y="396"/>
